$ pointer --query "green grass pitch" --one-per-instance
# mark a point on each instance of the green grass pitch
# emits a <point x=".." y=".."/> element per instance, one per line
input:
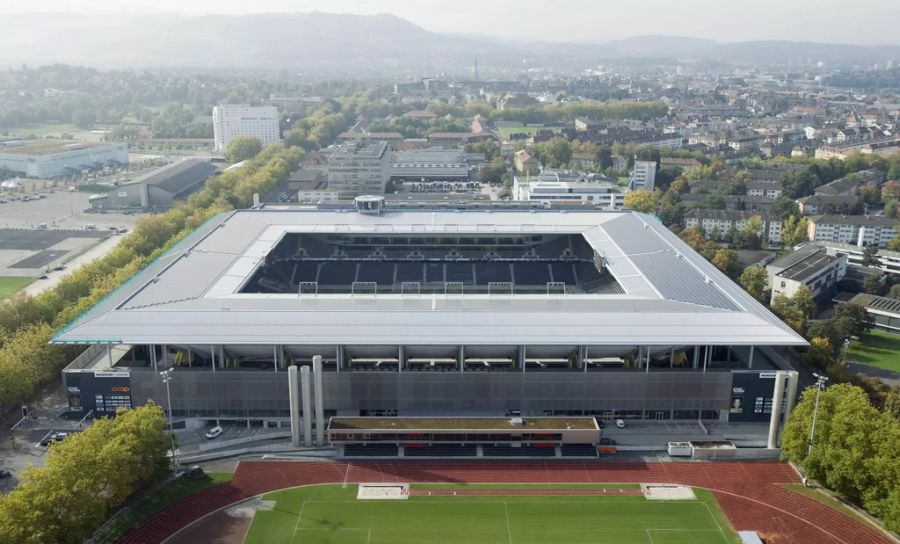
<point x="330" y="514"/>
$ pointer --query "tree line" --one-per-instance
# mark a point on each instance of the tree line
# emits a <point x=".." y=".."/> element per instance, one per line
<point x="87" y="476"/>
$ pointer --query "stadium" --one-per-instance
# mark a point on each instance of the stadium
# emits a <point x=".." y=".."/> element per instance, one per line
<point x="456" y="311"/>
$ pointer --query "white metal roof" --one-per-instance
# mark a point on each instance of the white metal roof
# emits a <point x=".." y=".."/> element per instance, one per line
<point x="191" y="294"/>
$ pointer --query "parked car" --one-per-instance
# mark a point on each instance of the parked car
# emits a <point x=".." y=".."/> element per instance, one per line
<point x="620" y="423"/>
<point x="607" y="442"/>
<point x="214" y="432"/>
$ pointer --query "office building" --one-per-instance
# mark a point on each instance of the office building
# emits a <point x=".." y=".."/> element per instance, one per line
<point x="359" y="168"/>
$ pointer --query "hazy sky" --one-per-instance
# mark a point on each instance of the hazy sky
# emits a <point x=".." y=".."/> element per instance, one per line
<point x="836" y="21"/>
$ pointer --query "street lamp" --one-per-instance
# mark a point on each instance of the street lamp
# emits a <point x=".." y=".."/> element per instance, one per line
<point x="820" y="385"/>
<point x="166" y="376"/>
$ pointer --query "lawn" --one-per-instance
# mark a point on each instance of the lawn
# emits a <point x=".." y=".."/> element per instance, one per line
<point x="159" y="499"/>
<point x="11" y="284"/>
<point x="46" y="129"/>
<point x="877" y="348"/>
<point x="331" y="514"/>
<point x="506" y="132"/>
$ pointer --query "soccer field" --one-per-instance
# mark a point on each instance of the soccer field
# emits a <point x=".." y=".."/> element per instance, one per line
<point x="332" y="514"/>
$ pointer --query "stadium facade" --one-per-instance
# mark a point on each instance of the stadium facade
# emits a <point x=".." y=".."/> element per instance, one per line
<point x="475" y="310"/>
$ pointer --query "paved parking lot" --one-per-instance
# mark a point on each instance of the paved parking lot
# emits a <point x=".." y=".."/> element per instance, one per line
<point x="59" y="210"/>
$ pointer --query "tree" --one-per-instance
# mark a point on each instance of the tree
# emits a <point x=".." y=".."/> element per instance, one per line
<point x="854" y="448"/>
<point x="794" y="230"/>
<point x="726" y="260"/>
<point x="869" y="194"/>
<point x="755" y="280"/>
<point x="894" y="244"/>
<point x="242" y="148"/>
<point x="803" y="300"/>
<point x="858" y="320"/>
<point x="784" y="207"/>
<point x="872" y="284"/>
<point x="785" y="308"/>
<point x="820" y="354"/>
<point x="86" y="476"/>
<point x="870" y="256"/>
<point x="890" y="208"/>
<point x="83" y="118"/>
<point x="642" y="200"/>
<point x="493" y="172"/>
<point x="895" y="290"/>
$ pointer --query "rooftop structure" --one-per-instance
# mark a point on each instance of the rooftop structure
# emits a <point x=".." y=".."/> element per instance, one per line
<point x="359" y="168"/>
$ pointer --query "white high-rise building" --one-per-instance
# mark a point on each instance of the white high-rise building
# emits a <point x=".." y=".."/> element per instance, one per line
<point x="235" y="120"/>
<point x="644" y="175"/>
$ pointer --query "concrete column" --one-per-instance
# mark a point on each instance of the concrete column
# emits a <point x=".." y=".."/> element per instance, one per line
<point x="461" y="356"/>
<point x="293" y="392"/>
<point x="109" y="355"/>
<point x="320" y="405"/>
<point x="750" y="360"/>
<point x="400" y="357"/>
<point x="522" y="358"/>
<point x="221" y="356"/>
<point x="647" y="359"/>
<point x="152" y="351"/>
<point x="672" y="358"/>
<point x="306" y="398"/>
<point x="275" y="357"/>
<point x="165" y="355"/>
<point x="587" y="355"/>
<point x="777" y="396"/>
<point x="793" y="379"/>
<point x="696" y="356"/>
<point x="340" y="356"/>
<point x="706" y="356"/>
<point x="190" y="357"/>
<point x="212" y="357"/>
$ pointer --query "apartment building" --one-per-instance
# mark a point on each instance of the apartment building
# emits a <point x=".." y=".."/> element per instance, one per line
<point x="232" y="121"/>
<point x="862" y="230"/>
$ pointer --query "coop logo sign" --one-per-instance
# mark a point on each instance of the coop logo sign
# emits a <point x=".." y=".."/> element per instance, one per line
<point x="121" y="389"/>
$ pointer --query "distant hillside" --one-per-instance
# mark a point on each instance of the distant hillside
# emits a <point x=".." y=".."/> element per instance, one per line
<point x="350" y="45"/>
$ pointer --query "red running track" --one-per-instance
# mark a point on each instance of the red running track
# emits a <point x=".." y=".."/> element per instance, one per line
<point x="750" y="493"/>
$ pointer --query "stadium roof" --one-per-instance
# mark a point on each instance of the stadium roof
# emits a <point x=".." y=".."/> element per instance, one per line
<point x="191" y="294"/>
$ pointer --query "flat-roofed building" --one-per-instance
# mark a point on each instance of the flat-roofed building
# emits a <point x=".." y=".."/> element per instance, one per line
<point x="51" y="158"/>
<point x="429" y="165"/>
<point x="476" y="310"/>
<point x="232" y="121"/>
<point x="810" y="266"/>
<point x="643" y="175"/>
<point x="359" y="168"/>
<point x="886" y="260"/>
<point x="862" y="230"/>
<point x="568" y="187"/>
<point x="718" y="223"/>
